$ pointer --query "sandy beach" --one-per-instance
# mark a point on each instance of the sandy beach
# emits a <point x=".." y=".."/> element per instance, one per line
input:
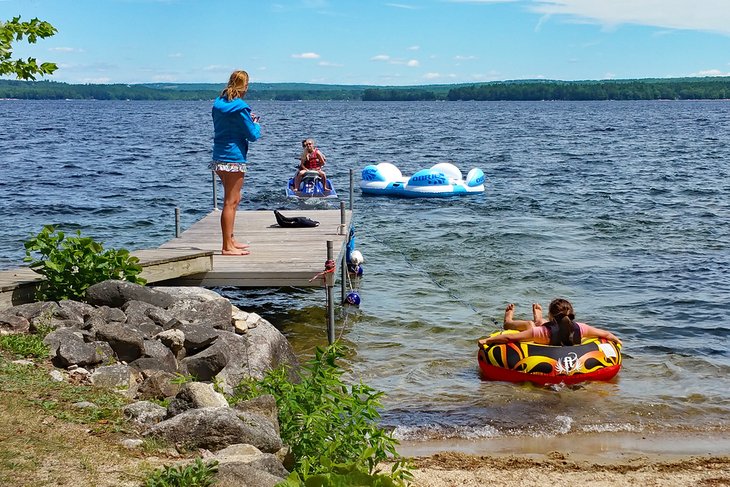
<point x="616" y="459"/>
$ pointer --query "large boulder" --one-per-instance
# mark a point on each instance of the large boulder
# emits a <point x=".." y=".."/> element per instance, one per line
<point x="215" y="428"/>
<point x="115" y="293"/>
<point x="246" y="465"/>
<point x="200" y="305"/>
<point x="116" y="376"/>
<point x="138" y="317"/>
<point x="144" y="413"/>
<point x="128" y="344"/>
<point x="252" y="355"/>
<point x="157" y="384"/>
<point x="198" y="336"/>
<point x="68" y="346"/>
<point x="11" y="324"/>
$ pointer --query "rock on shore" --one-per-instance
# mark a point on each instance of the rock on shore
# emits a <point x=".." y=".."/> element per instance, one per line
<point x="137" y="340"/>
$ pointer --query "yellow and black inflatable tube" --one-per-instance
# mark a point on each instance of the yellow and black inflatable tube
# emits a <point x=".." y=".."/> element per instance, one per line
<point x="593" y="359"/>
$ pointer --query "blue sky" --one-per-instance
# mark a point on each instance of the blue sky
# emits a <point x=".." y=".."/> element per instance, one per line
<point x="377" y="42"/>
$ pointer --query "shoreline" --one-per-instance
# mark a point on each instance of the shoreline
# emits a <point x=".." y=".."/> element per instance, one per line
<point x="608" y="446"/>
<point x="616" y="459"/>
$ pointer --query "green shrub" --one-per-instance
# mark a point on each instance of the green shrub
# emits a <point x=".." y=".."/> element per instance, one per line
<point x="71" y="264"/>
<point x="349" y="475"/>
<point x="197" y="474"/>
<point x="326" y="422"/>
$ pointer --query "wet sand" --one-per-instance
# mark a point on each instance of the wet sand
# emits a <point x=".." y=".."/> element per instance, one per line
<point x="620" y="459"/>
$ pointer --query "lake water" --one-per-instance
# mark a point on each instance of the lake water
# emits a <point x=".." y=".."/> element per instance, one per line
<point x="621" y="207"/>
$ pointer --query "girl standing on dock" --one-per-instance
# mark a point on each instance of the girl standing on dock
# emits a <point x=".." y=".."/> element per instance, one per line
<point x="235" y="126"/>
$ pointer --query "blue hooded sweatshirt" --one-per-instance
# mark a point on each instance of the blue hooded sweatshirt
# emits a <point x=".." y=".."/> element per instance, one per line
<point x="234" y="128"/>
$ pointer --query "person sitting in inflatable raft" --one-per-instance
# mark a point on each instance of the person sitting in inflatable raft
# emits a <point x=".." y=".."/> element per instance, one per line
<point x="559" y="329"/>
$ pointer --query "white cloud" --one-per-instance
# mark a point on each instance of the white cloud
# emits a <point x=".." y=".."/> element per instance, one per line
<point x="464" y="58"/>
<point x="164" y="78"/>
<point x="387" y="59"/>
<point x="65" y="49"/>
<point x="413" y="48"/>
<point x="306" y="55"/>
<point x="481" y="1"/>
<point x="216" y="67"/>
<point x="711" y="72"/>
<point x="702" y="15"/>
<point x="401" y="5"/>
<point x="330" y="64"/>
<point x="102" y="80"/>
<point x="432" y="76"/>
<point x="175" y="55"/>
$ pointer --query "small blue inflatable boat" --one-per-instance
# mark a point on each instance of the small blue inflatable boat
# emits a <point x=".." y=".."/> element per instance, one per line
<point x="442" y="179"/>
<point x="311" y="187"/>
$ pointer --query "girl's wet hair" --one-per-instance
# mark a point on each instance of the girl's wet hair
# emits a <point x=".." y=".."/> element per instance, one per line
<point x="562" y="313"/>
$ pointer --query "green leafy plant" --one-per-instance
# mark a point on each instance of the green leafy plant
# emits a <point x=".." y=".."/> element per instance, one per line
<point x="197" y="474"/>
<point x="326" y="422"/>
<point x="24" y="345"/>
<point x="181" y="379"/>
<point x="349" y="474"/>
<point x="14" y="30"/>
<point x="71" y="264"/>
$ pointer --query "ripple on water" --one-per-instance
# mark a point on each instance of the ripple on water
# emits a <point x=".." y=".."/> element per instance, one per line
<point x="621" y="207"/>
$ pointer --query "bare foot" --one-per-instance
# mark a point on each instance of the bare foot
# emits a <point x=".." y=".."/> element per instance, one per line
<point x="239" y="245"/>
<point x="537" y="314"/>
<point x="512" y="324"/>
<point x="235" y="251"/>
<point x="509" y="312"/>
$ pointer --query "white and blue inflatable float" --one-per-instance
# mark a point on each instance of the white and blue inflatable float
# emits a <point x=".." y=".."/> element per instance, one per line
<point x="442" y="179"/>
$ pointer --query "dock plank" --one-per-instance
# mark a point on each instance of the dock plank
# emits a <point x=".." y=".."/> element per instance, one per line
<point x="280" y="257"/>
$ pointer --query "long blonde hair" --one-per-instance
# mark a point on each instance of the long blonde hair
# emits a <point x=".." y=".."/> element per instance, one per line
<point x="237" y="85"/>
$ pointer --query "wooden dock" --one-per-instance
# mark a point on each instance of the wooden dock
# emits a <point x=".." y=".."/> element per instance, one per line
<point x="280" y="257"/>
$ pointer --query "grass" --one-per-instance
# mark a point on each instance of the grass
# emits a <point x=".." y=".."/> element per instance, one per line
<point x="47" y="441"/>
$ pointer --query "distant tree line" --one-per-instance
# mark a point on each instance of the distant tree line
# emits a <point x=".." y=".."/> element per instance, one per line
<point x="401" y="94"/>
<point x="51" y="90"/>
<point x="644" y="89"/>
<point x="671" y="89"/>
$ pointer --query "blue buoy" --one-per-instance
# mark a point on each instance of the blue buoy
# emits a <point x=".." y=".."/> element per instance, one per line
<point x="352" y="298"/>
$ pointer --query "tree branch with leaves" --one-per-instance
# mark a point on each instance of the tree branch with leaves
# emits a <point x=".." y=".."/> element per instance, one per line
<point x="14" y="31"/>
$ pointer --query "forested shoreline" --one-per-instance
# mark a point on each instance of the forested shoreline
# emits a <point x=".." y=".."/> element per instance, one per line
<point x="709" y="88"/>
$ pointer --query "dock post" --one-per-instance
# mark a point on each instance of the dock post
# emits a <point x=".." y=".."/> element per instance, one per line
<point x="215" y="192"/>
<point x="352" y="189"/>
<point x="329" y="283"/>
<point x="343" y="219"/>
<point x="343" y="262"/>
<point x="177" y="222"/>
